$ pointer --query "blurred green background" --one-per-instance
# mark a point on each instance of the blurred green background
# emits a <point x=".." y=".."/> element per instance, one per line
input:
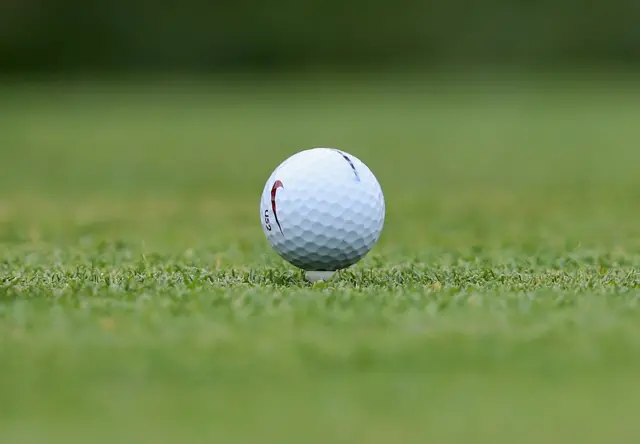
<point x="70" y="35"/>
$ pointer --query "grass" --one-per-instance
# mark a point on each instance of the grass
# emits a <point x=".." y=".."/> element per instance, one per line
<point x="140" y="302"/>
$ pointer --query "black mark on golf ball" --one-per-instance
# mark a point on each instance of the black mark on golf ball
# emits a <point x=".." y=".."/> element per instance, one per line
<point x="267" y="223"/>
<point x="353" y="167"/>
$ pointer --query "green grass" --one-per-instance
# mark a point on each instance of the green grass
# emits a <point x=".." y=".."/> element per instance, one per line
<point x="140" y="302"/>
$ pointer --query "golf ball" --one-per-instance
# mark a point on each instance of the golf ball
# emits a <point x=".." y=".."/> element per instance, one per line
<point x="322" y="209"/>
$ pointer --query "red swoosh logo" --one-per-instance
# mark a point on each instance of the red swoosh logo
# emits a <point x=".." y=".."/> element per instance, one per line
<point x="274" y="189"/>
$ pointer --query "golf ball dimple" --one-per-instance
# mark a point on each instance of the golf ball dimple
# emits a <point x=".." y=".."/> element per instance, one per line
<point x="322" y="209"/>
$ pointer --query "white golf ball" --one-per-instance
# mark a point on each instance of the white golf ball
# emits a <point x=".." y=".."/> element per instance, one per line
<point x="322" y="210"/>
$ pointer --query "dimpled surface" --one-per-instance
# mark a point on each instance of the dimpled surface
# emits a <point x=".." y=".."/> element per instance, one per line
<point x="330" y="209"/>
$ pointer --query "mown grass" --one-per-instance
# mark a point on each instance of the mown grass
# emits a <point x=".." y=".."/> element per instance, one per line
<point x="139" y="301"/>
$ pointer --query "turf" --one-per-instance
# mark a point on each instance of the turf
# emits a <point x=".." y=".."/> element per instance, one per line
<point x="140" y="302"/>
